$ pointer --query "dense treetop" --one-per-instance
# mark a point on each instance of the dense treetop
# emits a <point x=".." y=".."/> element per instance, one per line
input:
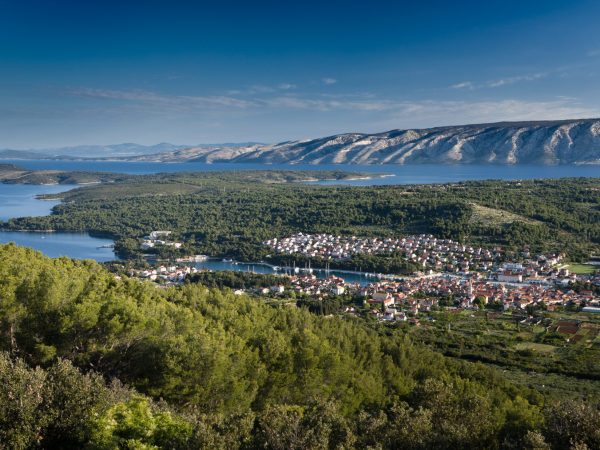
<point x="231" y="214"/>
<point x="208" y="369"/>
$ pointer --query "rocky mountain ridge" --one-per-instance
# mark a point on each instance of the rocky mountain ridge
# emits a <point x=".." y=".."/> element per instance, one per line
<point x="538" y="142"/>
<point x="544" y="142"/>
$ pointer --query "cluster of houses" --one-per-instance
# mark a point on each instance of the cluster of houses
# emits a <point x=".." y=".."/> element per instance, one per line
<point x="432" y="254"/>
<point x="425" y="250"/>
<point x="540" y="282"/>
<point x="309" y="284"/>
<point x="421" y="294"/>
<point x="403" y="299"/>
<point x="158" y="238"/>
<point x="454" y="275"/>
<point x="313" y="286"/>
<point x="542" y="269"/>
<point x="164" y="274"/>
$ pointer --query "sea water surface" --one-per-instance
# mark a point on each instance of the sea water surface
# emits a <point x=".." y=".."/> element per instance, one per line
<point x="400" y="174"/>
<point x="20" y="200"/>
<point x="348" y="276"/>
<point x="73" y="245"/>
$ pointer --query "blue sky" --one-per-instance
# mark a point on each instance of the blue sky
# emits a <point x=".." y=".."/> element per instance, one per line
<point x="83" y="72"/>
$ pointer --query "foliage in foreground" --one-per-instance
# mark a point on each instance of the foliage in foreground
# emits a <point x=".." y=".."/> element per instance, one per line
<point x="208" y="369"/>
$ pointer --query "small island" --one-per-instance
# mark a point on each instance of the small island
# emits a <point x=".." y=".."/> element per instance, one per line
<point x="13" y="174"/>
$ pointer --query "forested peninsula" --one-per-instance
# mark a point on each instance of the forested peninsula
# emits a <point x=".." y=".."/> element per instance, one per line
<point x="232" y="214"/>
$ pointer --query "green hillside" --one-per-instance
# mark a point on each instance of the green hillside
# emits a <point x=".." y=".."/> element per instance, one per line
<point x="208" y="369"/>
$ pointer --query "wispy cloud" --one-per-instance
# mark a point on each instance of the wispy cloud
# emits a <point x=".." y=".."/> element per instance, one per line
<point x="500" y="81"/>
<point x="172" y="101"/>
<point x="266" y="99"/>
<point x="434" y="113"/>
<point x="329" y="81"/>
<point x="516" y="79"/>
<point x="263" y="89"/>
<point x="328" y="104"/>
<point x="287" y="86"/>
<point x="388" y="113"/>
<point x="463" y="85"/>
<point x="594" y="52"/>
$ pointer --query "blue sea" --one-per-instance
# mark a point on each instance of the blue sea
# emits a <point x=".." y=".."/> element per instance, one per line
<point x="409" y="174"/>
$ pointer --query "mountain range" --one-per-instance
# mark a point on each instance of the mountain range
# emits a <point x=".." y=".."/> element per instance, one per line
<point x="126" y="150"/>
<point x="85" y="151"/>
<point x="533" y="142"/>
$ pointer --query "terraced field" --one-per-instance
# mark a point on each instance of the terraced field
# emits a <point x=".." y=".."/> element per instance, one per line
<point x="483" y="215"/>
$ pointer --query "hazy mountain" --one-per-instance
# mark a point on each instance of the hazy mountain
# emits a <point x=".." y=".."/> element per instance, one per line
<point x="544" y="142"/>
<point x="20" y="154"/>
<point x="116" y="151"/>
<point x="203" y="153"/>
<point x="547" y="142"/>
<point x="90" y="151"/>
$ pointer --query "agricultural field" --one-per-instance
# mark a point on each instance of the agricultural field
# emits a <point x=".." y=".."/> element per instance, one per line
<point x="582" y="269"/>
<point x="482" y="215"/>
<point x="559" y="347"/>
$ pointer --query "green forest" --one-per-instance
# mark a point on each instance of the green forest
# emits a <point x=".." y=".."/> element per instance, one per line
<point x="231" y="214"/>
<point x="93" y="361"/>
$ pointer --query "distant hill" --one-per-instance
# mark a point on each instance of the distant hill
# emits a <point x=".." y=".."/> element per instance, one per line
<point x="89" y="151"/>
<point x="115" y="151"/>
<point x="537" y="142"/>
<point x="544" y="142"/>
<point x="20" y="154"/>
<point x="11" y="174"/>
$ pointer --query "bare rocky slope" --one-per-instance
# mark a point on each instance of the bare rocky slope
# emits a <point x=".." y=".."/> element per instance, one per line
<point x="547" y="142"/>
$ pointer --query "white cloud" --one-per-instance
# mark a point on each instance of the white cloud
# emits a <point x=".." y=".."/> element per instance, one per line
<point x="329" y="81"/>
<point x="500" y="82"/>
<point x="264" y="100"/>
<point x="326" y="104"/>
<point x="463" y="85"/>
<point x="165" y="101"/>
<point x="516" y="79"/>
<point x="387" y="113"/>
<point x="287" y="86"/>
<point x="436" y="113"/>
<point x="262" y="89"/>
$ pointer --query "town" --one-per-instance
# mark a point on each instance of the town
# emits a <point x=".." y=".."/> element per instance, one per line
<point x="395" y="299"/>
<point x="425" y="250"/>
<point x="454" y="275"/>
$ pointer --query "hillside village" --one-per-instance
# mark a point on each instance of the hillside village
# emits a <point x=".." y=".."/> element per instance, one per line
<point x="426" y="250"/>
<point x="454" y="275"/>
